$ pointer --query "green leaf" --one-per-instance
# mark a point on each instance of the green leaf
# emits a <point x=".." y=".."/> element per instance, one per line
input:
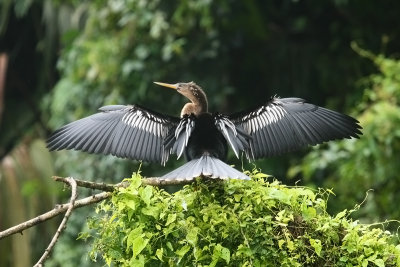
<point x="225" y="254"/>
<point x="260" y="175"/>
<point x="290" y="245"/>
<point x="379" y="262"/>
<point x="309" y="213"/>
<point x="280" y="243"/>
<point x="213" y="263"/>
<point x="316" y="244"/>
<point x="171" y="218"/>
<point x="216" y="255"/>
<point x="280" y="195"/>
<point x="191" y="236"/>
<point x="136" y="181"/>
<point x="133" y="235"/>
<point x="153" y="211"/>
<point x="159" y="254"/>
<point x="137" y="262"/>
<point x="341" y="214"/>
<point x="146" y="194"/>
<point x="131" y="203"/>
<point x="138" y="244"/>
<point x="237" y="197"/>
<point x="182" y="251"/>
<point x="169" y="245"/>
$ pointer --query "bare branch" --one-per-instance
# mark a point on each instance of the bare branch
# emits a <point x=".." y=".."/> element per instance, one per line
<point x="61" y="227"/>
<point x="53" y="213"/>
<point x="93" y="185"/>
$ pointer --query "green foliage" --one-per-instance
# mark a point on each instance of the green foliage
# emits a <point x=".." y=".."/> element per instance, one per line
<point x="372" y="162"/>
<point x="236" y="223"/>
<point x="125" y="46"/>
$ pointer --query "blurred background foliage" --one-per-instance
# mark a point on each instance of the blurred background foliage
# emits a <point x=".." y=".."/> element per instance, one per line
<point x="68" y="58"/>
<point x="371" y="162"/>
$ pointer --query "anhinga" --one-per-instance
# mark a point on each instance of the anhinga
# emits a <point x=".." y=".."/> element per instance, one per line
<point x="134" y="132"/>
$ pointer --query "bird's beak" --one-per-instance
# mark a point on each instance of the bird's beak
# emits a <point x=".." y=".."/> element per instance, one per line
<point x="173" y="86"/>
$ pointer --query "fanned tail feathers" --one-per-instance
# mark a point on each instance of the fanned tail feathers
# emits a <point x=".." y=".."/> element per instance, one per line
<point x="204" y="166"/>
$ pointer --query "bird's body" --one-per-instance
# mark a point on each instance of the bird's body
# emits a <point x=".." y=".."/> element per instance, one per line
<point x="206" y="138"/>
<point x="279" y="126"/>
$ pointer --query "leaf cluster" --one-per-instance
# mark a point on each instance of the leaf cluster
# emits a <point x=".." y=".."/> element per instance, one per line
<point x="236" y="223"/>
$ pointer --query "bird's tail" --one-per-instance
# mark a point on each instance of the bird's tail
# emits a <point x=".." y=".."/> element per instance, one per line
<point x="207" y="166"/>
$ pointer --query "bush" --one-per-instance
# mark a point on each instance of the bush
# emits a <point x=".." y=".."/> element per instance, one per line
<point x="235" y="222"/>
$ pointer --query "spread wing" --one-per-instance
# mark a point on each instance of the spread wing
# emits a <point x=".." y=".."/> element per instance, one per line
<point x="123" y="131"/>
<point x="287" y="124"/>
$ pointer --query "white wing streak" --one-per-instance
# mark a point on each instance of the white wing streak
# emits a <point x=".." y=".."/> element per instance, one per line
<point x="287" y="124"/>
<point x="123" y="131"/>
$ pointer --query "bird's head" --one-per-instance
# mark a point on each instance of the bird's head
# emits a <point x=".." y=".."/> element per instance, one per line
<point x="191" y="91"/>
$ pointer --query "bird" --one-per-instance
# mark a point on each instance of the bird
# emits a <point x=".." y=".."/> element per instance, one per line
<point x="281" y="125"/>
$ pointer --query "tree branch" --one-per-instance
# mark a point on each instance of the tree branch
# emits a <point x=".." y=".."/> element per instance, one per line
<point x="153" y="181"/>
<point x="92" y="185"/>
<point x="61" y="227"/>
<point x="53" y="213"/>
<point x="157" y="181"/>
<point x="107" y="188"/>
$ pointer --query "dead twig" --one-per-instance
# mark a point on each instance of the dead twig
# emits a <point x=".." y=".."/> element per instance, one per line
<point x="53" y="213"/>
<point x="92" y="185"/>
<point x="63" y="223"/>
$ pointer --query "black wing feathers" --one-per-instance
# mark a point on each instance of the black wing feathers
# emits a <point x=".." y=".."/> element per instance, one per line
<point x="287" y="124"/>
<point x="177" y="140"/>
<point x="235" y="135"/>
<point x="123" y="131"/>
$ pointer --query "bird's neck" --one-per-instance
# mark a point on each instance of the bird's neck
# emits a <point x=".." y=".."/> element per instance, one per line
<point x="191" y="108"/>
<point x="198" y="105"/>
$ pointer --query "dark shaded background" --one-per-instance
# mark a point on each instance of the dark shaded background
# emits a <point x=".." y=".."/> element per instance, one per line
<point x="64" y="59"/>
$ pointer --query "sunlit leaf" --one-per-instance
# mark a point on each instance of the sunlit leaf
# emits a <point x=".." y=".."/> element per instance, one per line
<point x="138" y="244"/>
